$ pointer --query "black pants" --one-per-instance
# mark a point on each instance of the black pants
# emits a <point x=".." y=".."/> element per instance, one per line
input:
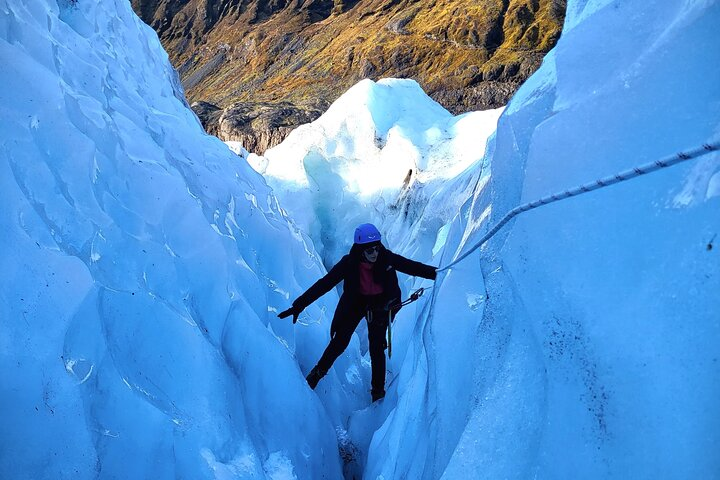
<point x="347" y="316"/>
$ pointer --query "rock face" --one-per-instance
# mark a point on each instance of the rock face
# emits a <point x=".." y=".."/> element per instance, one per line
<point x="302" y="55"/>
<point x="260" y="126"/>
<point x="208" y="114"/>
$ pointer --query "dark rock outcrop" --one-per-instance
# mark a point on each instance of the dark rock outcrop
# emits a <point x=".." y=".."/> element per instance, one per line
<point x="208" y="114"/>
<point x="258" y="126"/>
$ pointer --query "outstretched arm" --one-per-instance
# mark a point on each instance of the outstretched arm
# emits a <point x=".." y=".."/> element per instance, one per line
<point x="319" y="288"/>
<point x="411" y="267"/>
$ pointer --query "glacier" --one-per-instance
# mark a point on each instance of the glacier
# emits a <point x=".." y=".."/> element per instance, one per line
<point x="595" y="352"/>
<point x="385" y="153"/>
<point x="144" y="263"/>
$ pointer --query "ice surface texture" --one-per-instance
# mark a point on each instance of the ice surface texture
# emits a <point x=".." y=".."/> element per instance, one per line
<point x="384" y="153"/>
<point x="583" y="340"/>
<point x="142" y="267"/>
<point x="143" y="264"/>
<point x="595" y="352"/>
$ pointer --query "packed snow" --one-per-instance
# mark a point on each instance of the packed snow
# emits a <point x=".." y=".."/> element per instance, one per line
<point x="144" y="263"/>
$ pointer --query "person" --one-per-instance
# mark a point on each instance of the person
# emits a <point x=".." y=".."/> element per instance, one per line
<point x="370" y="290"/>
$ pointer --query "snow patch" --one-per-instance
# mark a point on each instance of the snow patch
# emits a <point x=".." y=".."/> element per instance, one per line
<point x="279" y="467"/>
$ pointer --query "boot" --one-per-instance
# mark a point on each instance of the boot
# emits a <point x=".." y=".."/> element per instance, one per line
<point x="314" y="377"/>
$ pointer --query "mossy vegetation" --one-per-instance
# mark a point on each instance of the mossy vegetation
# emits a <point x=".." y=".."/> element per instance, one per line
<point x="299" y="54"/>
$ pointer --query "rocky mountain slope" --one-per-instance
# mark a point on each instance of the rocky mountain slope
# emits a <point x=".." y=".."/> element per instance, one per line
<point x="272" y="64"/>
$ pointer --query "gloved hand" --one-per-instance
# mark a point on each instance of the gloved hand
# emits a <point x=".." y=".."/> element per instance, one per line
<point x="434" y="275"/>
<point x="294" y="311"/>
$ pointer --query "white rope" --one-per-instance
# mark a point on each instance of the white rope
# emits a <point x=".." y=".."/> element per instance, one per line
<point x="589" y="187"/>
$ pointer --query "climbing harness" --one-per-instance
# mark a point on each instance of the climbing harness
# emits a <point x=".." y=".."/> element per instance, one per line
<point x="396" y="306"/>
<point x="369" y="316"/>
<point x="413" y="297"/>
<point x="589" y="187"/>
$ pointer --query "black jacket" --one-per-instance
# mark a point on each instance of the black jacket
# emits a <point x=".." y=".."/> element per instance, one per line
<point x="348" y="270"/>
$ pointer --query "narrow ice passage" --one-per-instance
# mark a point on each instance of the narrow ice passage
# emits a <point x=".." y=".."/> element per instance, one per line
<point x="143" y="265"/>
<point x="410" y="214"/>
<point x="576" y="334"/>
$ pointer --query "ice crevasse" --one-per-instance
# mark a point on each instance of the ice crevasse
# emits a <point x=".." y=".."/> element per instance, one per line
<point x="582" y="340"/>
<point x="143" y="264"/>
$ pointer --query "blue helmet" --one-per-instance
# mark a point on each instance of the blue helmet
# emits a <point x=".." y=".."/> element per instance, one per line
<point x="367" y="233"/>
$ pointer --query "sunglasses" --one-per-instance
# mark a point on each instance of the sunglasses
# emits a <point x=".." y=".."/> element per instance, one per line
<point x="371" y="250"/>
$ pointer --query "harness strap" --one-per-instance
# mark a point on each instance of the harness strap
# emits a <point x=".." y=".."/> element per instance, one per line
<point x="389" y="333"/>
<point x="413" y="297"/>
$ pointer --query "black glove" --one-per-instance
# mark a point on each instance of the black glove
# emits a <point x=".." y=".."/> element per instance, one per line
<point x="433" y="275"/>
<point x="294" y="311"/>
